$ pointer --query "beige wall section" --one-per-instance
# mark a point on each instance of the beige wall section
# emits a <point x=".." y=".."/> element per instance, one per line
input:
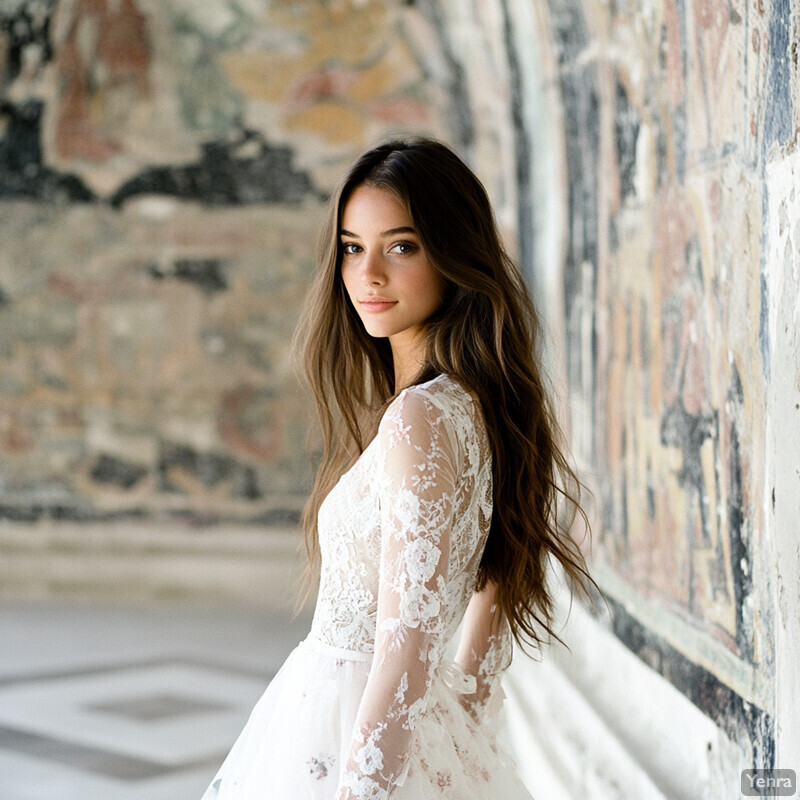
<point x="128" y="562"/>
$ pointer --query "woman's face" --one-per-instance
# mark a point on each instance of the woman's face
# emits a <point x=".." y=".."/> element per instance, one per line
<point x="388" y="277"/>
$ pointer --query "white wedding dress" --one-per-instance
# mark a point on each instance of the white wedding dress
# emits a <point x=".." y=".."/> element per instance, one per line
<point x="370" y="704"/>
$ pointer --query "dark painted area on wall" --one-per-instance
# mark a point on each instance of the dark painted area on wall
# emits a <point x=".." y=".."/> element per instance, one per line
<point x="23" y="173"/>
<point x="784" y="59"/>
<point x="778" y="106"/>
<point x="207" y="274"/>
<point x="741" y="561"/>
<point x="679" y="117"/>
<point x="76" y="510"/>
<point x="736" y="716"/>
<point x="580" y="102"/>
<point x="626" y="133"/>
<point x="522" y="159"/>
<point x="24" y="26"/>
<point x="463" y="131"/>
<point x="209" y="468"/>
<point x="114" y="471"/>
<point x="688" y="432"/>
<point x="222" y="177"/>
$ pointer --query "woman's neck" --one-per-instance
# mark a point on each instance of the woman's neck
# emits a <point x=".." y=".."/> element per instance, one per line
<point x="408" y="357"/>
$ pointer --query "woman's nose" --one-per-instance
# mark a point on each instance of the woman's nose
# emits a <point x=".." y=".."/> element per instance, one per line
<point x="374" y="273"/>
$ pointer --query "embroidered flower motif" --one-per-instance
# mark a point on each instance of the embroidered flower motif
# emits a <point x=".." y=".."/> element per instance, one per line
<point x="319" y="766"/>
<point x="417" y="605"/>
<point x="443" y="779"/>
<point x="369" y="757"/>
<point x="421" y="558"/>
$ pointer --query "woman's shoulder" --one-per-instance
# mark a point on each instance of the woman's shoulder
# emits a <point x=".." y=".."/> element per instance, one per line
<point x="442" y="400"/>
<point x="441" y="390"/>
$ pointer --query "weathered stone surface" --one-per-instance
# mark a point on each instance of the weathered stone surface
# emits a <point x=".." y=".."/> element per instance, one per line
<point x="162" y="172"/>
<point x="108" y="356"/>
<point x="652" y="128"/>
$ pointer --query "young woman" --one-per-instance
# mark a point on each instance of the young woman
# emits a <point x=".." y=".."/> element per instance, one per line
<point x="440" y="497"/>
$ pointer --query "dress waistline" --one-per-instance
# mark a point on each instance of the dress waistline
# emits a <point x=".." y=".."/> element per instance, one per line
<point x="340" y="652"/>
<point x="450" y="672"/>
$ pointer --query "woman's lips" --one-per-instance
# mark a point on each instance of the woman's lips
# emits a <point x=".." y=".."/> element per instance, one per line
<point x="377" y="305"/>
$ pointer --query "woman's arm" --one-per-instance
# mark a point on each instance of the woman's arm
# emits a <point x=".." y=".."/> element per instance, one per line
<point x="484" y="651"/>
<point x="416" y="499"/>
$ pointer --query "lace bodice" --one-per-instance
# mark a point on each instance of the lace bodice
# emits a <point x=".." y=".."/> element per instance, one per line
<point x="401" y="537"/>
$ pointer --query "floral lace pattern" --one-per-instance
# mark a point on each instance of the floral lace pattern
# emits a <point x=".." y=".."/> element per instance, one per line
<point x="401" y="536"/>
<point x="383" y="699"/>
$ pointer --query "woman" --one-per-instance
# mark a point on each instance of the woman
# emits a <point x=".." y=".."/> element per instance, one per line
<point x="437" y="501"/>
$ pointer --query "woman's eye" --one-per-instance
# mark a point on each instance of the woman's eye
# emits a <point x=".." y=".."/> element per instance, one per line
<point x="349" y="248"/>
<point x="402" y="248"/>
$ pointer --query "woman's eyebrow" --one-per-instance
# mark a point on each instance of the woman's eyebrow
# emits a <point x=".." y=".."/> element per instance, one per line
<point x="390" y="232"/>
<point x="401" y="229"/>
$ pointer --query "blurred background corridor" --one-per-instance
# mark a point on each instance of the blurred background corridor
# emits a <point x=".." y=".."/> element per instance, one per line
<point x="164" y="168"/>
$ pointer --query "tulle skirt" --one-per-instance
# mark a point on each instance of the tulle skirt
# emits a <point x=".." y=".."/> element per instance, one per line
<point x="298" y="736"/>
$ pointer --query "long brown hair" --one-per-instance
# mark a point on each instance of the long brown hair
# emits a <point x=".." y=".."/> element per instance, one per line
<point x="485" y="335"/>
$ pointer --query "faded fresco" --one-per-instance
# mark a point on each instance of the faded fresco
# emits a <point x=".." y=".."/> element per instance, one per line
<point x="163" y="172"/>
<point x="671" y="115"/>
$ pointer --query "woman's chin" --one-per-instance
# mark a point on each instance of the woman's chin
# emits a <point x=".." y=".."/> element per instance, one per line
<point x="377" y="331"/>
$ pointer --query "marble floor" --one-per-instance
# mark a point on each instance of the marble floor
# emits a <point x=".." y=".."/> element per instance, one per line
<point x="121" y="703"/>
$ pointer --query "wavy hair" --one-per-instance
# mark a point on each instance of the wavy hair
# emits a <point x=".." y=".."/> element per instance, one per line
<point x="485" y="335"/>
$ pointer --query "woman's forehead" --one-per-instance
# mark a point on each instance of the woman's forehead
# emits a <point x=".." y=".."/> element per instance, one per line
<point x="375" y="209"/>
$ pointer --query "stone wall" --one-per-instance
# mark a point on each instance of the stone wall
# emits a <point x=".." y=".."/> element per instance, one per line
<point x="656" y="181"/>
<point x="163" y="172"/>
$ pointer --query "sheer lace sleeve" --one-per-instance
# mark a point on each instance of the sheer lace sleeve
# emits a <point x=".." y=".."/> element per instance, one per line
<point x="417" y="486"/>
<point x="484" y="651"/>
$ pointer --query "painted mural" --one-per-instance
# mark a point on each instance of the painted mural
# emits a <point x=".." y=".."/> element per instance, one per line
<point x="163" y="171"/>
<point x="670" y="115"/>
